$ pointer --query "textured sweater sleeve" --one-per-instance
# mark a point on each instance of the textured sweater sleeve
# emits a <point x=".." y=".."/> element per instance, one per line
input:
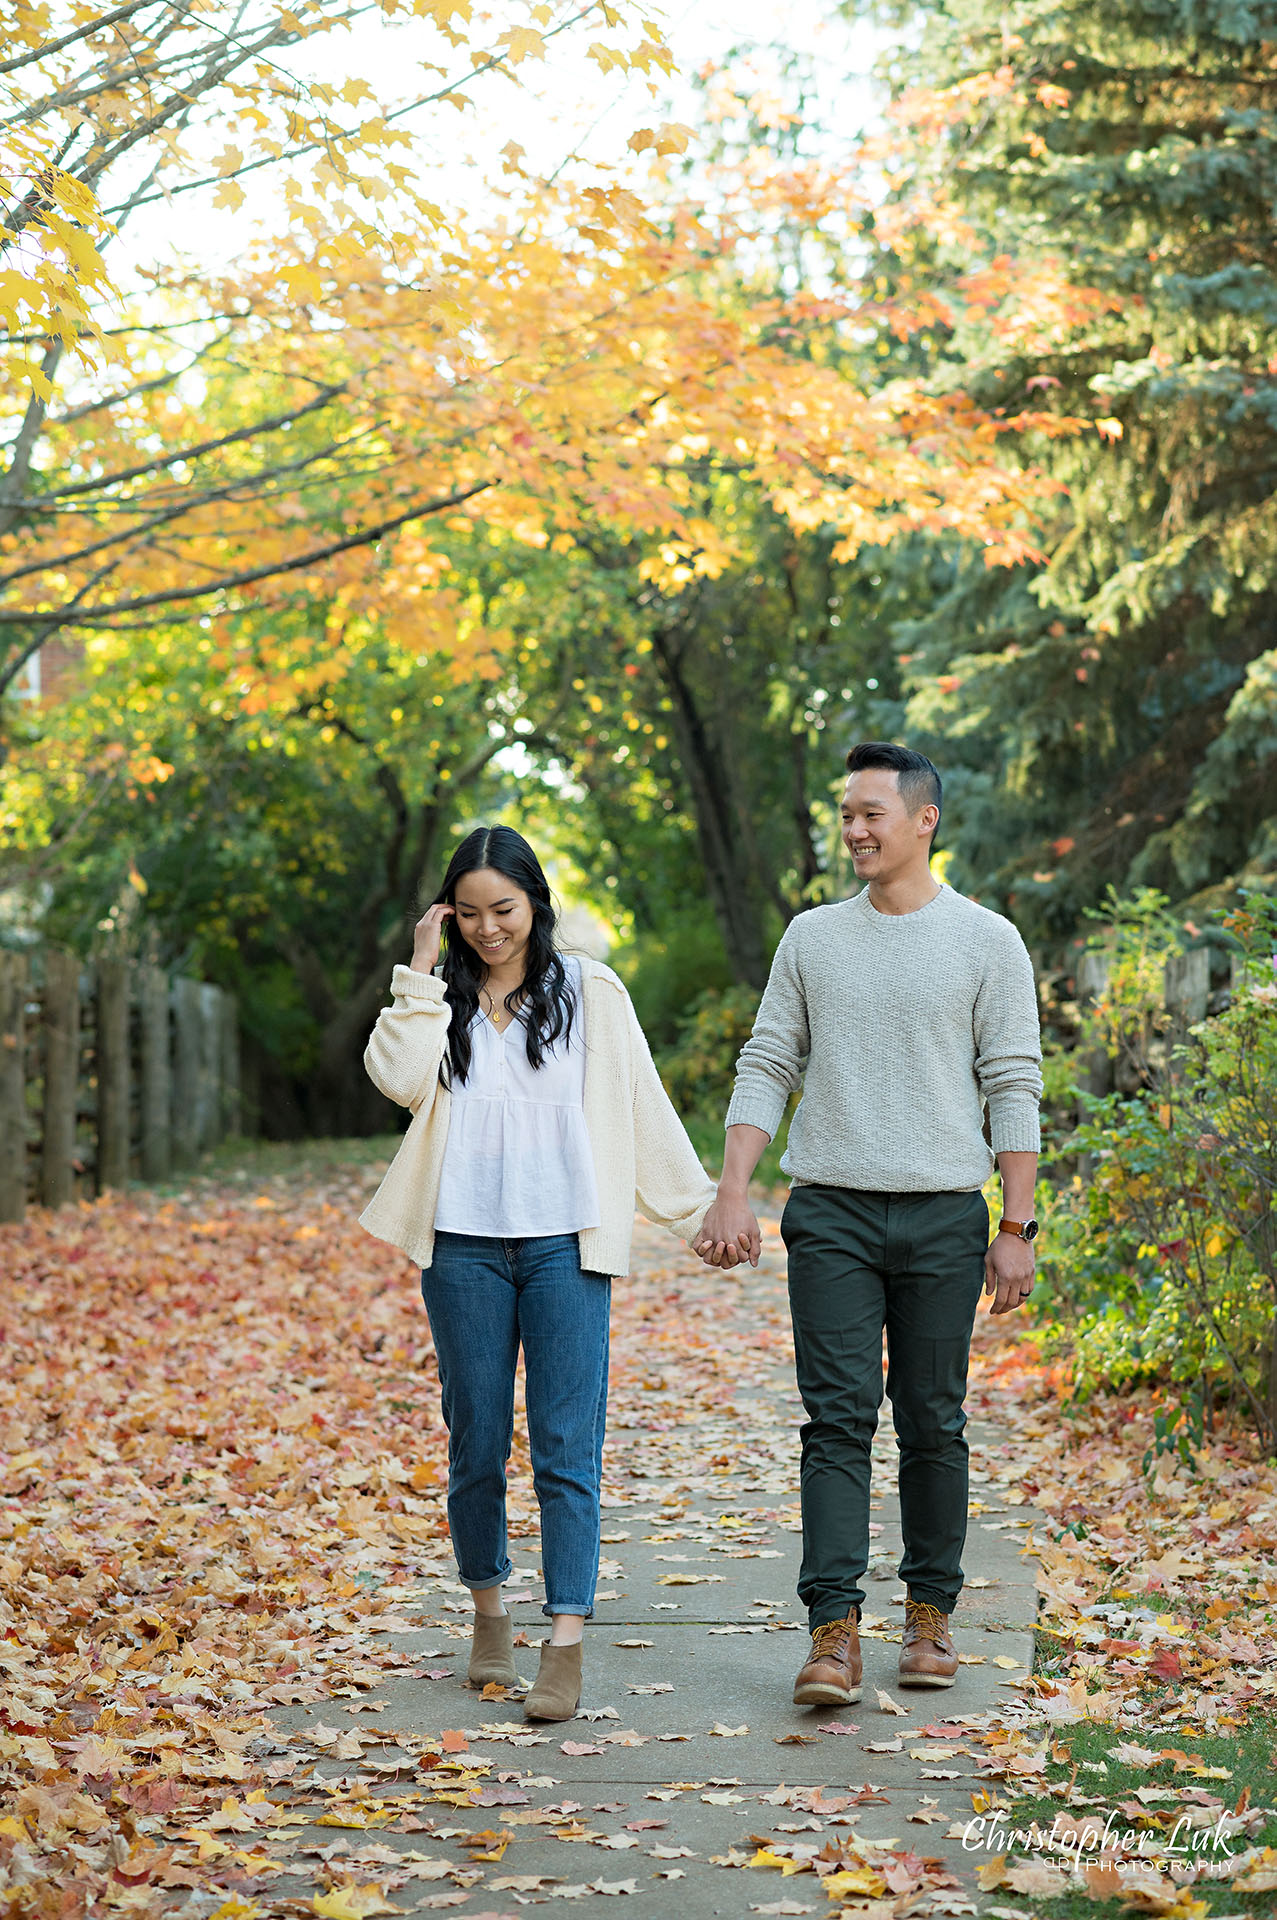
<point x="407" y="1044"/>
<point x="1008" y="1047"/>
<point x="773" y="1059"/>
<point x="672" y="1188"/>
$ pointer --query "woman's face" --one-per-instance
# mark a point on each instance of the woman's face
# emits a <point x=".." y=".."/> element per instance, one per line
<point x="494" y="916"/>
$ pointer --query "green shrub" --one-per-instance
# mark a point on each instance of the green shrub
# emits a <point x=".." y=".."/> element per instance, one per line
<point x="698" y="1070"/>
<point x="1164" y="1266"/>
<point x="667" y="973"/>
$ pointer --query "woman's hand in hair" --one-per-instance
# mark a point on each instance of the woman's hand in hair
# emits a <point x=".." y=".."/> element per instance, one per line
<point x="426" y="937"/>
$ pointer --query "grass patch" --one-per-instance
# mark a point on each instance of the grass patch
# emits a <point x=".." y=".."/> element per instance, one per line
<point x="1083" y="1766"/>
<point x="303" y="1161"/>
<point x="264" y="1158"/>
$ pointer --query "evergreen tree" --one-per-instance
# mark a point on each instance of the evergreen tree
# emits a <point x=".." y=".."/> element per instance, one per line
<point x="1091" y="190"/>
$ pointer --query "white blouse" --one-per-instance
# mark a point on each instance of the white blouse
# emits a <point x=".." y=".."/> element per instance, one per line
<point x="518" y="1161"/>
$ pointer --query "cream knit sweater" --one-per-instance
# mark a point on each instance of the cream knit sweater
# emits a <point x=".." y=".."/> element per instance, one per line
<point x="641" y="1153"/>
<point x="900" y="1029"/>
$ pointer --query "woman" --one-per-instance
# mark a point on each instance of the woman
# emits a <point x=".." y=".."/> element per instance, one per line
<point x="538" y="1121"/>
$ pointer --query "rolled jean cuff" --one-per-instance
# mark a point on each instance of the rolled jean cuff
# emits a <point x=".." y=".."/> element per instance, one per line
<point x="482" y="1586"/>
<point x="586" y="1612"/>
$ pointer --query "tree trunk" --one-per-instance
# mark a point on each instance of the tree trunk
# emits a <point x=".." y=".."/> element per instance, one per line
<point x="731" y="877"/>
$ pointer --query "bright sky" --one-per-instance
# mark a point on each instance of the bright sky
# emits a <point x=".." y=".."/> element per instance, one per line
<point x="564" y="106"/>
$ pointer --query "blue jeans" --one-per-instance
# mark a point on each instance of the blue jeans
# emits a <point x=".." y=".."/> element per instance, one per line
<point x="484" y="1297"/>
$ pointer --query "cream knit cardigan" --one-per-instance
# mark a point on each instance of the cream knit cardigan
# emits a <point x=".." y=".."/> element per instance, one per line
<point x="641" y="1152"/>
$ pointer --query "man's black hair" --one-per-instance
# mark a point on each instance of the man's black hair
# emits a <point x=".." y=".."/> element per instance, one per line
<point x="918" y="779"/>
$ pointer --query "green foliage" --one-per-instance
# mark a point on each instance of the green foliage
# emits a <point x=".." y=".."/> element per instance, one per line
<point x="278" y="849"/>
<point x="1164" y="1266"/>
<point x="698" y="714"/>
<point x="699" y="1069"/>
<point x="674" y="970"/>
<point x="1178" y="1431"/>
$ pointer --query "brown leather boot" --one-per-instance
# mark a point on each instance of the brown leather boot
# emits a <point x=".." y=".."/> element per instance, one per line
<point x="492" y="1651"/>
<point x="832" y="1674"/>
<point x="556" y="1692"/>
<point x="928" y="1657"/>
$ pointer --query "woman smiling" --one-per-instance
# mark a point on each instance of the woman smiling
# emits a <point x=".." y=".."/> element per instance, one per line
<point x="539" y="1121"/>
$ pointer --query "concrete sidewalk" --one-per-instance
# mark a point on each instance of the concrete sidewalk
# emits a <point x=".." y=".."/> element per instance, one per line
<point x="689" y="1756"/>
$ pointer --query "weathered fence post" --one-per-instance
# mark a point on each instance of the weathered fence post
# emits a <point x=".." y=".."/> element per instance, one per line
<point x="156" y="1089"/>
<point x="186" y="1070"/>
<point x="1188" y="986"/>
<point x="61" y="1076"/>
<point x="210" y="1103"/>
<point x="231" y="1117"/>
<point x="113" y="1072"/>
<point x="13" y="1105"/>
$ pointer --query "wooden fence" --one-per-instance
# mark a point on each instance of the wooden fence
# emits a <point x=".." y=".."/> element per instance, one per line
<point x="108" y="1071"/>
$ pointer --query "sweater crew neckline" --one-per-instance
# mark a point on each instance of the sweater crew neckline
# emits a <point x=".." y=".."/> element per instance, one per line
<point x="871" y="912"/>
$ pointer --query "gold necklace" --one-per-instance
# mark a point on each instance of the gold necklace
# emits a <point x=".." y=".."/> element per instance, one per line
<point x="492" y="1012"/>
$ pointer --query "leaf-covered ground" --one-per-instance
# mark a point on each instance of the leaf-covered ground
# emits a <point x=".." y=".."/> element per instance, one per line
<point x="220" y="1471"/>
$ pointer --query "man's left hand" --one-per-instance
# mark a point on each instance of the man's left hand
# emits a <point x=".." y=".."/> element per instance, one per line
<point x="1008" y="1272"/>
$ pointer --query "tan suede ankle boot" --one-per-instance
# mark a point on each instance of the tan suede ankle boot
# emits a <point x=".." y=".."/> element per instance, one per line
<point x="556" y="1691"/>
<point x="492" y="1651"/>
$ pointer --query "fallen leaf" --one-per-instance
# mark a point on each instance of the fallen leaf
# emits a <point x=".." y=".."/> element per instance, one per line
<point x="1260" y="1876"/>
<point x="836" y="1886"/>
<point x="352" y="1903"/>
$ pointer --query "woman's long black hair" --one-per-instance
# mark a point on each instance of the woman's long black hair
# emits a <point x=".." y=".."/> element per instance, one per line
<point x="543" y="997"/>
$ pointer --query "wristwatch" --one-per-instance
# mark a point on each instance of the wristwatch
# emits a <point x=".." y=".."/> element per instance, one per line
<point x="1022" y="1229"/>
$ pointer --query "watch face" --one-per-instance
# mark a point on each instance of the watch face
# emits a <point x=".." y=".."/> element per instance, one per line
<point x="1030" y="1231"/>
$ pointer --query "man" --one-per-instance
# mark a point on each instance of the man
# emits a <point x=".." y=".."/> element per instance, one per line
<point x="903" y="1013"/>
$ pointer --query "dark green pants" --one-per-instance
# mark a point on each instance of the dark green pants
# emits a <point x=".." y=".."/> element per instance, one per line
<point x="912" y="1263"/>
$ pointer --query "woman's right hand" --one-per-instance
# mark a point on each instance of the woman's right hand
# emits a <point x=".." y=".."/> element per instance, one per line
<point x="426" y="937"/>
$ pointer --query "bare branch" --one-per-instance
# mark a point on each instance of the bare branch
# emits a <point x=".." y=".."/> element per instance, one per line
<point x="269" y="425"/>
<point x="48" y="47"/>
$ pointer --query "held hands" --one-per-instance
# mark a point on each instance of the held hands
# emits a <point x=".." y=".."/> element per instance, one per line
<point x="729" y="1234"/>
<point x="426" y="937"/>
<point x="1008" y="1272"/>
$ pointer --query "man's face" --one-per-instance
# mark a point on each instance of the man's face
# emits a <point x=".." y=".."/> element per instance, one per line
<point x="881" y="836"/>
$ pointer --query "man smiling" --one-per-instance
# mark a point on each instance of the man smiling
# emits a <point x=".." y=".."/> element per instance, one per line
<point x="904" y="1014"/>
